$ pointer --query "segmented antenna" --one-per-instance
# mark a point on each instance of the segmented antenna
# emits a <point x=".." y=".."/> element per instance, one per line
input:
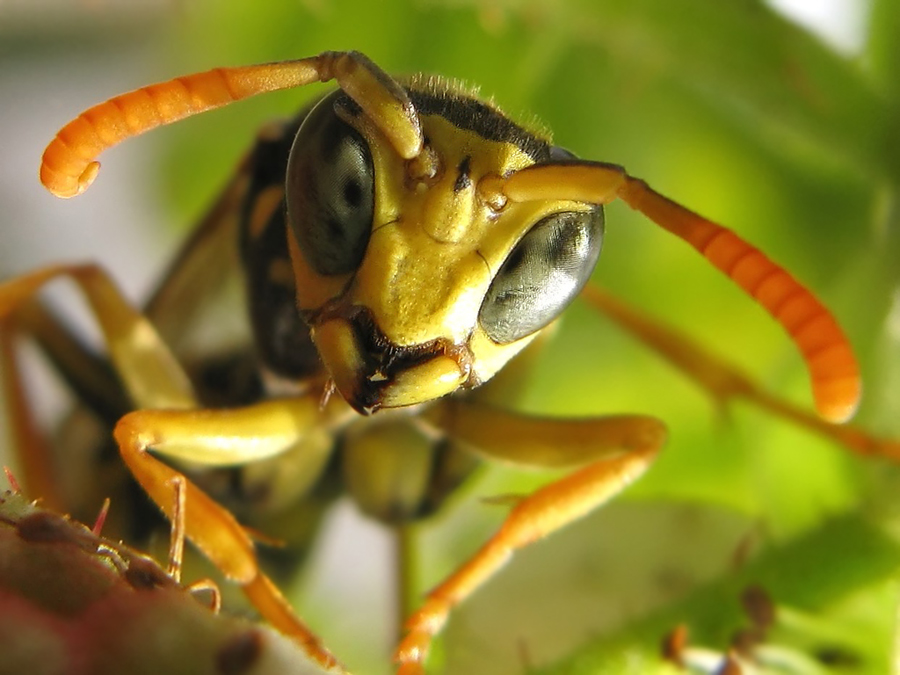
<point x="833" y="370"/>
<point x="69" y="166"/>
<point x="69" y="163"/>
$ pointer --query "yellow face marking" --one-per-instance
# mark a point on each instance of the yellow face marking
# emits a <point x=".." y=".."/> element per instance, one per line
<point x="438" y="239"/>
<point x="317" y="289"/>
<point x="337" y="346"/>
<point x="425" y="382"/>
<point x="434" y="249"/>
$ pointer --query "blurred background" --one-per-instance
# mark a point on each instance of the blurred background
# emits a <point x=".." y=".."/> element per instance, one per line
<point x="777" y="119"/>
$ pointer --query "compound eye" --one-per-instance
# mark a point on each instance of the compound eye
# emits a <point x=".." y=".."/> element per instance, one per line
<point x="330" y="191"/>
<point x="543" y="273"/>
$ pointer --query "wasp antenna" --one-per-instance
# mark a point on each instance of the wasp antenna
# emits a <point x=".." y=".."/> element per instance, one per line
<point x="69" y="163"/>
<point x="832" y="366"/>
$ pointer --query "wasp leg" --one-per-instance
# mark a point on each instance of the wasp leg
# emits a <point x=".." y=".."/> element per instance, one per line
<point x="724" y="381"/>
<point x="612" y="452"/>
<point x="177" y="533"/>
<point x="32" y="453"/>
<point x="154" y="379"/>
<point x="222" y="437"/>
<point x="44" y="457"/>
<point x="89" y="375"/>
<point x="149" y="371"/>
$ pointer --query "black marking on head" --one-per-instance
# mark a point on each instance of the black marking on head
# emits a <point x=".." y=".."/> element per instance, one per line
<point x="281" y="336"/>
<point x="463" y="180"/>
<point x="478" y="117"/>
<point x="436" y="96"/>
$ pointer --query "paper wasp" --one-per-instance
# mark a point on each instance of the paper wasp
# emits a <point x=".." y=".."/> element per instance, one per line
<point x="401" y="241"/>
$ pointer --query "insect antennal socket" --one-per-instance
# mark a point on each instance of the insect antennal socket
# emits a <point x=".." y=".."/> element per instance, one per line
<point x="490" y="192"/>
<point x="424" y="167"/>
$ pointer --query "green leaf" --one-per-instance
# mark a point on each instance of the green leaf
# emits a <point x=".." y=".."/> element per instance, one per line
<point x="883" y="50"/>
<point x="803" y="577"/>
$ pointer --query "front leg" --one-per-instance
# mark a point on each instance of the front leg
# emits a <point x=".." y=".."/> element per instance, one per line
<point x="149" y="373"/>
<point x="224" y="438"/>
<point x="612" y="451"/>
<point x="171" y="424"/>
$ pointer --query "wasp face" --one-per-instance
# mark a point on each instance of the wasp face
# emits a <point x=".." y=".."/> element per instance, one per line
<point x="416" y="278"/>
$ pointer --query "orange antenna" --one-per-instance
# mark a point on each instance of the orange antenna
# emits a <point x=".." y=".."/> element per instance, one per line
<point x="69" y="164"/>
<point x="832" y="366"/>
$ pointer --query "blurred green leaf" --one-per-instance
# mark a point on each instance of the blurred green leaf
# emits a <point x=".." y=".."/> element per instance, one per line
<point x="741" y="56"/>
<point x="883" y="49"/>
<point x="802" y="577"/>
